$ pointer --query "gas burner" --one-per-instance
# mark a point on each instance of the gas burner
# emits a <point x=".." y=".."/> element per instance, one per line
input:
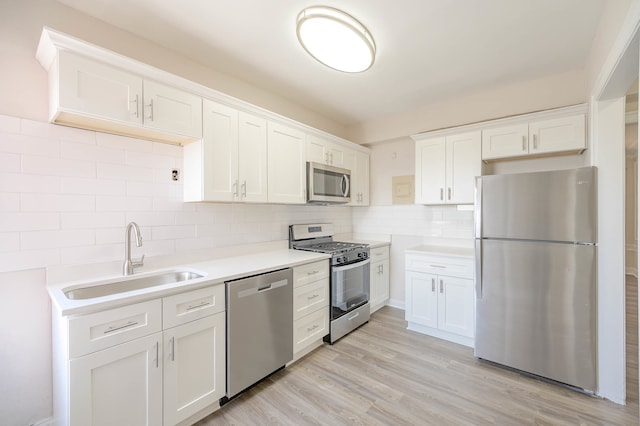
<point x="332" y="247"/>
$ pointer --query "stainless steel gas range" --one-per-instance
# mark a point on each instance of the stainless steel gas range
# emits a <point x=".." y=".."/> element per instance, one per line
<point x="349" y="275"/>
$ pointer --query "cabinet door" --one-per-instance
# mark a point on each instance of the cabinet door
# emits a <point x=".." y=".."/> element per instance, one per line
<point x="556" y="135"/>
<point x="121" y="385"/>
<point x="252" y="159"/>
<point x="336" y="155"/>
<point x="194" y="367"/>
<point x="463" y="165"/>
<point x="96" y="89"/>
<point x="220" y="152"/>
<point x="286" y="165"/>
<point x="172" y="110"/>
<point x="316" y="150"/>
<point x="507" y="141"/>
<point x="456" y="305"/>
<point x="430" y="171"/>
<point x="421" y="299"/>
<point x="379" y="283"/>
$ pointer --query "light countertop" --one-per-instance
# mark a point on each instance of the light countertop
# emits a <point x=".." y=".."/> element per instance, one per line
<point x="442" y="250"/>
<point x="215" y="271"/>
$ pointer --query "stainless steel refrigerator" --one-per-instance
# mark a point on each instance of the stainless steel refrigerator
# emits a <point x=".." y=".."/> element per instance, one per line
<point x="535" y="243"/>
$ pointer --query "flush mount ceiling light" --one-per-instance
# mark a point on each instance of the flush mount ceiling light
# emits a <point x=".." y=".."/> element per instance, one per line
<point x="336" y="39"/>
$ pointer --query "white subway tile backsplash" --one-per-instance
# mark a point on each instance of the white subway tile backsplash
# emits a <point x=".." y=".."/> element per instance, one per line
<point x="134" y="158"/>
<point x="17" y="182"/>
<point x="9" y="241"/>
<point x="23" y="144"/>
<point x="71" y="185"/>
<point x="10" y="222"/>
<point x="28" y="259"/>
<point x="58" y="167"/>
<point x="112" y="235"/>
<point x="54" y="239"/>
<point x="151" y="218"/>
<point x="9" y="202"/>
<point x="92" y="254"/>
<point x="141" y="173"/>
<point x="56" y="203"/>
<point x="173" y="232"/>
<point x="93" y="220"/>
<point x="85" y="152"/>
<point x="123" y="142"/>
<point x="9" y="124"/>
<point x="107" y="203"/>
<point x="167" y="149"/>
<point x="10" y="163"/>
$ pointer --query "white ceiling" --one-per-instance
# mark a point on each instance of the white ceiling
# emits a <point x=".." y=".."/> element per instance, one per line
<point x="428" y="50"/>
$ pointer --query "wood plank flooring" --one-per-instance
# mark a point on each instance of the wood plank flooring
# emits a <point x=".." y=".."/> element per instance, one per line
<point x="383" y="374"/>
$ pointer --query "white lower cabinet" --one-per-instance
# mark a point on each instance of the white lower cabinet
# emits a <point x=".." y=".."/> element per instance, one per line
<point x="160" y="362"/>
<point x="440" y="297"/>
<point x="121" y="385"/>
<point x="194" y="366"/>
<point x="310" y="306"/>
<point x="379" y="275"/>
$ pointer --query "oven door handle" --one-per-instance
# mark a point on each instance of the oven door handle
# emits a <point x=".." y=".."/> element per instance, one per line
<point x="350" y="266"/>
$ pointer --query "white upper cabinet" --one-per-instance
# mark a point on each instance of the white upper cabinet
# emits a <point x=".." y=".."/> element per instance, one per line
<point x="97" y="90"/>
<point x="230" y="162"/>
<point x="171" y="110"/>
<point x="553" y="135"/>
<point x="446" y="167"/>
<point x="286" y="164"/>
<point x="91" y="94"/>
<point x="358" y="163"/>
<point x="323" y="151"/>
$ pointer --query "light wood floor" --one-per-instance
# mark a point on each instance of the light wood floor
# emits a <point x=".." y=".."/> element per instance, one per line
<point x="382" y="374"/>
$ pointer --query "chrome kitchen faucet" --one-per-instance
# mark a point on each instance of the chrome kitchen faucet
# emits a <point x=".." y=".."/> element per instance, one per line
<point x="129" y="264"/>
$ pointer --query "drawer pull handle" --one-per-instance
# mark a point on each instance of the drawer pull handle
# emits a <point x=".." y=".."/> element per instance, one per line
<point x="127" y="325"/>
<point x="438" y="266"/>
<point x="313" y="272"/>
<point x="441" y="287"/>
<point x="355" y="316"/>
<point x="433" y="284"/>
<point x="199" y="305"/>
<point x="313" y="297"/>
<point x="310" y="329"/>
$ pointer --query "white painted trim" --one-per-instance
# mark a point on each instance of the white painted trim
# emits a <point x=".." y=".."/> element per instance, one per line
<point x="49" y="421"/>
<point x="52" y="41"/>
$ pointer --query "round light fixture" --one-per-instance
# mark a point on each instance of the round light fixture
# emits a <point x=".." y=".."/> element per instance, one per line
<point x="336" y="39"/>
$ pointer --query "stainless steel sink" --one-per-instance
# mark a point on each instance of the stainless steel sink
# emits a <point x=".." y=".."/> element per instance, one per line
<point x="129" y="284"/>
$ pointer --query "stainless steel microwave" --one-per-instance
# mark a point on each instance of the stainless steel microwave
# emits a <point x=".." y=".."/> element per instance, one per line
<point x="328" y="184"/>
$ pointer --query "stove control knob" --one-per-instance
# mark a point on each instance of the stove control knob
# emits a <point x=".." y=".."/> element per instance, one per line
<point x="338" y="260"/>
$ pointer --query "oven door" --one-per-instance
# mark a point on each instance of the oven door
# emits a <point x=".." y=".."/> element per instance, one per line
<point x="349" y="287"/>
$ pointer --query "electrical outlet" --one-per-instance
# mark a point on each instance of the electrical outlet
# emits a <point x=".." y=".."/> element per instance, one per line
<point x="175" y="175"/>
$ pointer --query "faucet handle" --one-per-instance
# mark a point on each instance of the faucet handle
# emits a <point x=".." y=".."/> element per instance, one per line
<point x="138" y="263"/>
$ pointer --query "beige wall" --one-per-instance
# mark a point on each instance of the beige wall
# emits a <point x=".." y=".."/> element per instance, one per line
<point x="23" y="80"/>
<point x="535" y="95"/>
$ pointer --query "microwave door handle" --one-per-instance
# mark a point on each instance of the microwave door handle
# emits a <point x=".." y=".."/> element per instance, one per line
<point x="350" y="266"/>
<point x="344" y="183"/>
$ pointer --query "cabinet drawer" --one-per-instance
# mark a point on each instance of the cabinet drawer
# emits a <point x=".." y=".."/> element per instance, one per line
<point x="440" y="265"/>
<point x="379" y="253"/>
<point x="310" y="328"/>
<point x="310" y="297"/>
<point x="305" y="274"/>
<point x="93" y="332"/>
<point x="184" y="307"/>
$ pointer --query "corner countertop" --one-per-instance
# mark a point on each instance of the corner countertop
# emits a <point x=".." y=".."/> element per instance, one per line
<point x="442" y="250"/>
<point x="214" y="272"/>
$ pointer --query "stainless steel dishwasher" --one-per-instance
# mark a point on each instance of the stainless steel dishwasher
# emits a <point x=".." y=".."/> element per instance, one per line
<point x="259" y="328"/>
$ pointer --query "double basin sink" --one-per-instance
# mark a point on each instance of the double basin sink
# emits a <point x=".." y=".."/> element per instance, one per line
<point x="125" y="284"/>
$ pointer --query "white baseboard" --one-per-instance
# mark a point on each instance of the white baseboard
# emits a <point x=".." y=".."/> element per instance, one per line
<point x="396" y="303"/>
<point x="44" y="422"/>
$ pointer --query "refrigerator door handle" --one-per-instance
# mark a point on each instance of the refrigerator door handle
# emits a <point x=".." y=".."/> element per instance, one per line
<point x="478" y="268"/>
<point x="478" y="208"/>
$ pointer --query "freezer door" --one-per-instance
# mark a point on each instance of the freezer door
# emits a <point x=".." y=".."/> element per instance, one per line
<point x="536" y="309"/>
<point x="551" y="206"/>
